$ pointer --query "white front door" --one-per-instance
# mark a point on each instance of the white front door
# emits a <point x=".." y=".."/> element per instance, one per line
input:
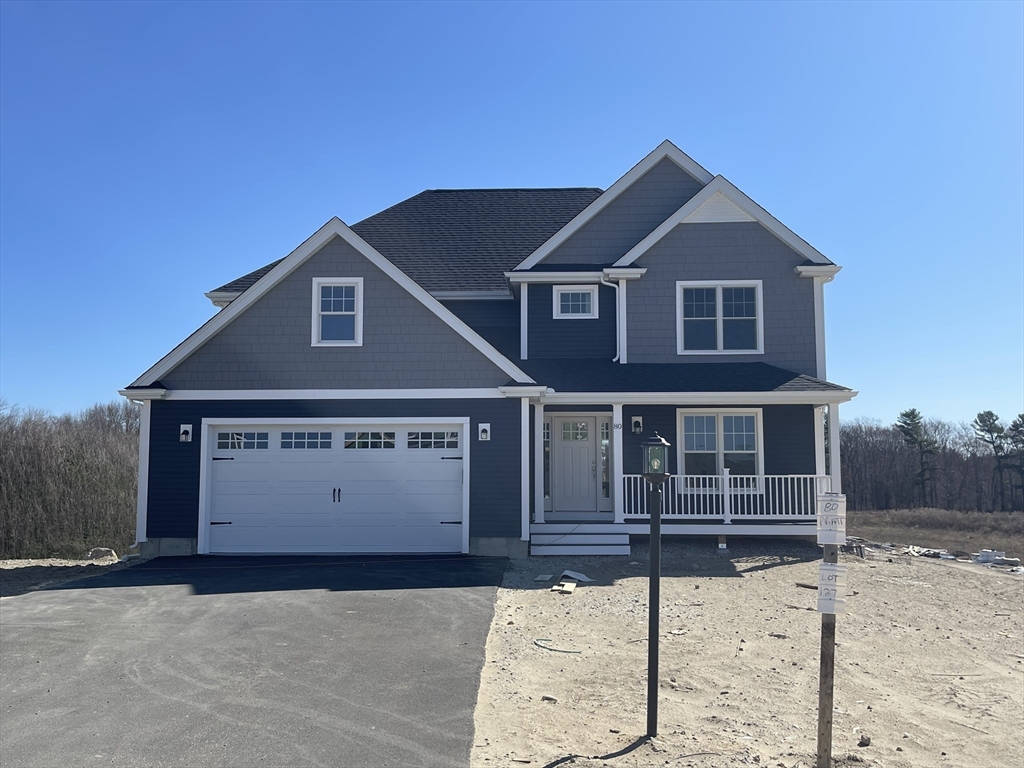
<point x="574" y="469"/>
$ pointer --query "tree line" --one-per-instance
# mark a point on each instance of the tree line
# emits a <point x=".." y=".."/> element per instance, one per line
<point x="67" y="483"/>
<point x="919" y="462"/>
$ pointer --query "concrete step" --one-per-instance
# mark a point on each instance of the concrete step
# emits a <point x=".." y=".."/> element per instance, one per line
<point x="582" y="549"/>
<point x="579" y="538"/>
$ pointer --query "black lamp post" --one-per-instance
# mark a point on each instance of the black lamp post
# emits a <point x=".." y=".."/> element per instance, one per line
<point x="655" y="461"/>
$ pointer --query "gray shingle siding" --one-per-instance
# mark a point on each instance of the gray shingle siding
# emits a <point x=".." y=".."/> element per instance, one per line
<point x="405" y="345"/>
<point x="726" y="251"/>
<point x="494" y="502"/>
<point x="629" y="218"/>
<point x="566" y="338"/>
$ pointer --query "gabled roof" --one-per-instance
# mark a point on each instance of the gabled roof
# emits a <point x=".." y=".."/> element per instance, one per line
<point x="461" y="239"/>
<point x="333" y="228"/>
<point x="719" y="188"/>
<point x="664" y="150"/>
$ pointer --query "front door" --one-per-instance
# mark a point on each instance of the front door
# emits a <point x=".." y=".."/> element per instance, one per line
<point x="575" y="465"/>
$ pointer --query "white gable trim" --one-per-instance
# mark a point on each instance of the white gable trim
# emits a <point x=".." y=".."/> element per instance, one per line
<point x="718" y="208"/>
<point x="721" y="185"/>
<point x="334" y="227"/>
<point x="663" y="150"/>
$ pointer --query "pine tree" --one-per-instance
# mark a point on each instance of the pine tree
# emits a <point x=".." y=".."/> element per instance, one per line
<point x="1015" y="435"/>
<point x="990" y="430"/>
<point x="911" y="426"/>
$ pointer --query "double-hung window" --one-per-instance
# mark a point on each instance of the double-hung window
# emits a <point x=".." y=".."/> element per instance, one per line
<point x="574" y="302"/>
<point x="337" y="312"/>
<point x="716" y="441"/>
<point x="719" y="317"/>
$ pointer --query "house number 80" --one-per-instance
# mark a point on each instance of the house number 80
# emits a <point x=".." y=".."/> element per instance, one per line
<point x="617" y="425"/>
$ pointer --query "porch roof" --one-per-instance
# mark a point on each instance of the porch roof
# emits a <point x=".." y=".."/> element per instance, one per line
<point x="584" y="375"/>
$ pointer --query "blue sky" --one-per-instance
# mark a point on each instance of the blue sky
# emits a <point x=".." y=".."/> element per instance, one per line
<point x="152" y="151"/>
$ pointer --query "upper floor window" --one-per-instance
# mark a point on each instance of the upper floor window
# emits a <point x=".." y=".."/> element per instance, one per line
<point x="719" y="317"/>
<point x="337" y="312"/>
<point x="574" y="301"/>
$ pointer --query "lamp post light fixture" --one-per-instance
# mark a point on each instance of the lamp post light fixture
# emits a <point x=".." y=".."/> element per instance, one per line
<point x="655" y="462"/>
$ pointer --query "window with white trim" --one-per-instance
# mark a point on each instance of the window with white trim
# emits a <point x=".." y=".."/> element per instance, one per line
<point x="719" y="318"/>
<point x="305" y="440"/>
<point x="574" y="302"/>
<point x="242" y="441"/>
<point x="337" y="312"/>
<point x="716" y="441"/>
<point x="369" y="440"/>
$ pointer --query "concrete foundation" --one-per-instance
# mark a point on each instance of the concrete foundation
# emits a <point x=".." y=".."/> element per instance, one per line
<point x="499" y="547"/>
<point x="167" y="548"/>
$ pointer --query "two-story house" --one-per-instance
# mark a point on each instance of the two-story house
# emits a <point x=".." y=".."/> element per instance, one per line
<point x="475" y="371"/>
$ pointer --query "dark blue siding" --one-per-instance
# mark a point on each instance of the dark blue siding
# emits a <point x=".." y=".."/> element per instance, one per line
<point x="494" y="501"/>
<point x="549" y="337"/>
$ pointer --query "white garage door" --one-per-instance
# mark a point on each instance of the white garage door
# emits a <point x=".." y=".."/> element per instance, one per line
<point x="335" y="488"/>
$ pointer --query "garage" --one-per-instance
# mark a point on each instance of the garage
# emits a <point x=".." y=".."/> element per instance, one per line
<point x="322" y="486"/>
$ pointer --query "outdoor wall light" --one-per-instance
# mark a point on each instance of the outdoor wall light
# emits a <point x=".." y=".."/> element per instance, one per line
<point x="185" y="433"/>
<point x="484" y="432"/>
<point x="638" y="425"/>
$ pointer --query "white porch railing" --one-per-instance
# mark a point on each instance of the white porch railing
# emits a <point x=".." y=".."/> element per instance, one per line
<point x="729" y="497"/>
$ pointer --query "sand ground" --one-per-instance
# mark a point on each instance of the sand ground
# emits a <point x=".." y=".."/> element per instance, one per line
<point x="929" y="662"/>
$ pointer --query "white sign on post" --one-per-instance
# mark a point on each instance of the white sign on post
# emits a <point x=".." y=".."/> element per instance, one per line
<point x="831" y="518"/>
<point x="831" y="588"/>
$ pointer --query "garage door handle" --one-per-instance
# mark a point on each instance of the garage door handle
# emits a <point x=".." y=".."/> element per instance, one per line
<point x="451" y="458"/>
<point x="220" y="522"/>
<point x="451" y="522"/>
<point x="223" y="458"/>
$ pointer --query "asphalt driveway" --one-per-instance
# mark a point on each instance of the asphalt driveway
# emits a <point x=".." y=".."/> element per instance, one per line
<point x="249" y="662"/>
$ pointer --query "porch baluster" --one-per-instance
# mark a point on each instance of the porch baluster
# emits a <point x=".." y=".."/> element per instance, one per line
<point x="726" y="497"/>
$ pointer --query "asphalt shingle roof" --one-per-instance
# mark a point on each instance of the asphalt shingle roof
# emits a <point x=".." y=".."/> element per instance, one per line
<point x="462" y="239"/>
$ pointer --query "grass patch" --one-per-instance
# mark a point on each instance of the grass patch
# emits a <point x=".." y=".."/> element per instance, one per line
<point x="942" y="529"/>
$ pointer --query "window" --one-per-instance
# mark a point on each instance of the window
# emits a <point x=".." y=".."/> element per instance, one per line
<point x="369" y="440"/>
<point x="292" y="440"/>
<point x="716" y="441"/>
<point x="575" y="430"/>
<point x="433" y="440"/>
<point x="606" y="437"/>
<point x="547" y="459"/>
<point x="574" y="302"/>
<point x="719" y="318"/>
<point x="242" y="441"/>
<point x="337" y="312"/>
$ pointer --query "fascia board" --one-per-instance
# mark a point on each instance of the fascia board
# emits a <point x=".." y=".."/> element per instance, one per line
<point x="701" y="398"/>
<point x="737" y="196"/>
<point x="222" y="298"/>
<point x="824" y="270"/>
<point x="664" y="150"/>
<point x="625" y="273"/>
<point x="554" y="277"/>
<point x="144" y="393"/>
<point x="334" y="227"/>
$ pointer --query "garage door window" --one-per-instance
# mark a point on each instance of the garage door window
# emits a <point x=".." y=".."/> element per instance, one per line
<point x="433" y="439"/>
<point x="242" y="441"/>
<point x="357" y="440"/>
<point x="292" y="440"/>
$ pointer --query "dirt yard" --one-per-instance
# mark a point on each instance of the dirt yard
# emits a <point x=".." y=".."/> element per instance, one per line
<point x="929" y="663"/>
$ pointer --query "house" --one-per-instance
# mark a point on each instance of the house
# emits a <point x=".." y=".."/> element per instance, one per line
<point x="475" y="371"/>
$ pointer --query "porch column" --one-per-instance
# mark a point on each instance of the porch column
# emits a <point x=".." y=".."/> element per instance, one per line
<point x="819" y="440"/>
<point x="833" y="448"/>
<point x="617" y="430"/>
<point x="142" y="499"/>
<point x="524" y="462"/>
<point x="538" y="462"/>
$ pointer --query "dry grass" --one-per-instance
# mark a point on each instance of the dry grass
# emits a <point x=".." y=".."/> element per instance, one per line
<point x="942" y="528"/>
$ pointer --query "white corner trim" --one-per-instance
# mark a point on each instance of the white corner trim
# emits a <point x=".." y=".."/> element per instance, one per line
<point x="538" y="462"/>
<point x="819" y="440"/>
<point x="556" y="307"/>
<point x="334" y="394"/>
<point x="623" y="329"/>
<point x="320" y="282"/>
<point x="664" y="150"/>
<point x="222" y="298"/>
<point x="718" y="285"/>
<point x="524" y="468"/>
<point x="333" y="228"/>
<point x="722" y="185"/>
<point x="524" y="321"/>
<point x="142" y="496"/>
<point x="819" y="326"/>
<point x="617" y="429"/>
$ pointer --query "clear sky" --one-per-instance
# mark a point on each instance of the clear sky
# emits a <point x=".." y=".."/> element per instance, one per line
<point x="152" y="151"/>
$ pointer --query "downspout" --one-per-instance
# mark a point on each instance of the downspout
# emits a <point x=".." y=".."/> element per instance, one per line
<point x="618" y="341"/>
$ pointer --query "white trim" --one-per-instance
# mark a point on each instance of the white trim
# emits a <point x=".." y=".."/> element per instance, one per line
<point x="330" y="394"/>
<point x="664" y="150"/>
<point x="144" y="393"/>
<point x="208" y="440"/>
<point x="333" y="228"/>
<point x="524" y="325"/>
<point x="722" y="185"/>
<point x="624" y="273"/>
<point x="556" y="307"/>
<point x="718" y="285"/>
<point x="835" y="462"/>
<point x="816" y="270"/>
<point x="554" y="277"/>
<point x="523" y="391"/>
<point x="618" y="427"/>
<point x="819" y="326"/>
<point x="222" y="298"/>
<point x="816" y="397"/>
<point x="524" y="467"/>
<point x="621" y="321"/>
<point x="717" y="209"/>
<point x="320" y="282"/>
<point x="142" y="495"/>
<point x="819" y="440"/>
<point x="538" y="462"/>
<point x="720" y="436"/>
